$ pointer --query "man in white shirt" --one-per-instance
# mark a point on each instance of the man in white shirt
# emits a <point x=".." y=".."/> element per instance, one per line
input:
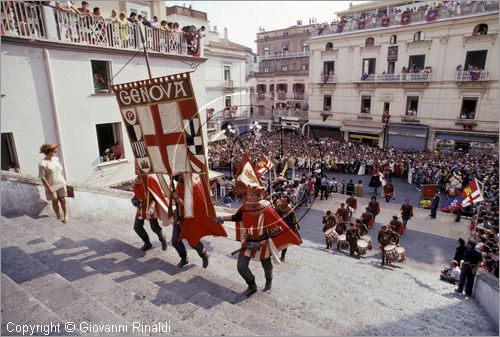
<point x="451" y="274"/>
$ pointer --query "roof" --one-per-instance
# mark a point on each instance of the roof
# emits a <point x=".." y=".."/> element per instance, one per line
<point x="226" y="44"/>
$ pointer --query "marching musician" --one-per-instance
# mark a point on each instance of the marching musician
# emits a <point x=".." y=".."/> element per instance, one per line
<point x="352" y="236"/>
<point x="254" y="219"/>
<point x="342" y="213"/>
<point x="386" y="237"/>
<point x="397" y="225"/>
<point x="362" y="229"/>
<point x="406" y="212"/>
<point x="388" y="191"/>
<point x="328" y="223"/>
<point x="367" y="218"/>
<point x="374" y="207"/>
<point x="352" y="203"/>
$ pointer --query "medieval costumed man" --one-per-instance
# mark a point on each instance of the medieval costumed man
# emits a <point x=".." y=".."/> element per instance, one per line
<point x="193" y="228"/>
<point x="262" y="233"/>
<point x="151" y="204"/>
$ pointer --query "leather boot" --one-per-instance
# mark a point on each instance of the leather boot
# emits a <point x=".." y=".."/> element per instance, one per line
<point x="164" y="243"/>
<point x="282" y="258"/>
<point x="182" y="262"/>
<point x="252" y="289"/>
<point x="147" y="246"/>
<point x="204" y="258"/>
<point x="269" y="283"/>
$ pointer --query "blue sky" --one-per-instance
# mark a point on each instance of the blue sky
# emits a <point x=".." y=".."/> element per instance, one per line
<point x="243" y="18"/>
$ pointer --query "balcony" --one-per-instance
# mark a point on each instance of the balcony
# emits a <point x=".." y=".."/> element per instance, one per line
<point x="285" y="55"/>
<point x="228" y="84"/>
<point x="456" y="10"/>
<point x="326" y="79"/>
<point x="401" y="78"/>
<point x="46" y="23"/>
<point x="472" y="75"/>
<point x="297" y="113"/>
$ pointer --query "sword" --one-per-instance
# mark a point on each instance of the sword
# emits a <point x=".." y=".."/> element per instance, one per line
<point x="272" y="233"/>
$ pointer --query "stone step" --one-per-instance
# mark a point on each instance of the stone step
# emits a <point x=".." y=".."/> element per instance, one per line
<point x="33" y="312"/>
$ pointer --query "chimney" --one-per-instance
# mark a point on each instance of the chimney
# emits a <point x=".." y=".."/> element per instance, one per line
<point x="225" y="33"/>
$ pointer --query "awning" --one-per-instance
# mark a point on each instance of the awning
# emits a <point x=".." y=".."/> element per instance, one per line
<point x="361" y="129"/>
<point x="363" y="137"/>
<point x="464" y="137"/>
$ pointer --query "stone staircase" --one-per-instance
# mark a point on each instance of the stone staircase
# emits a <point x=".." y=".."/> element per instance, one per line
<point x="93" y="272"/>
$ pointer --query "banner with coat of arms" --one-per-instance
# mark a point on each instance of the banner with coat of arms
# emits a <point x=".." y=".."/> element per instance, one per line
<point x="164" y="128"/>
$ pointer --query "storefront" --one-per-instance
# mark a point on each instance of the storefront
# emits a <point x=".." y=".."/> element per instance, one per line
<point x="324" y="131"/>
<point x="362" y="134"/>
<point x="467" y="142"/>
<point x="409" y="137"/>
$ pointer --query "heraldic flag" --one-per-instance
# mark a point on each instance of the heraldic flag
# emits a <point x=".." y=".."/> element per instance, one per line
<point x="263" y="166"/>
<point x="164" y="128"/>
<point x="470" y="195"/>
<point x="246" y="176"/>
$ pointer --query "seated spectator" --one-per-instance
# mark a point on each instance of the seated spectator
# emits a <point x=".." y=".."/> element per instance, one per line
<point x="451" y="274"/>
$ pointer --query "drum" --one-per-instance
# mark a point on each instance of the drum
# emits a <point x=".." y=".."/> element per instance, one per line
<point x="331" y="236"/>
<point x="401" y="254"/>
<point x="390" y="252"/>
<point x="368" y="239"/>
<point x="342" y="243"/>
<point x="362" y="246"/>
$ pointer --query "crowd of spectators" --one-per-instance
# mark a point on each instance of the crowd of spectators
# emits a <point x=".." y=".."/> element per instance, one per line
<point x="81" y="24"/>
<point x="429" y="11"/>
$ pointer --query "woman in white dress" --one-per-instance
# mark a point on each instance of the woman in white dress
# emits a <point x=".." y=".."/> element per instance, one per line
<point x="50" y="172"/>
<point x="362" y="169"/>
<point x="410" y="173"/>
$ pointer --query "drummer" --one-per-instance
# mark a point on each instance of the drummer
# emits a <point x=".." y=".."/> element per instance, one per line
<point x="352" y="236"/>
<point x="352" y="204"/>
<point x="342" y="213"/>
<point x="386" y="237"/>
<point x="328" y="223"/>
<point x="367" y="218"/>
<point x="340" y="228"/>
<point x="362" y="229"/>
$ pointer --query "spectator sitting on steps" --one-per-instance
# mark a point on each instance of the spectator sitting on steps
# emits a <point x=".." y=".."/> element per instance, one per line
<point x="451" y="274"/>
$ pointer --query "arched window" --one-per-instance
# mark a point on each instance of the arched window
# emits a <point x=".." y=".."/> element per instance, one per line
<point x="481" y="29"/>
<point x="329" y="46"/>
<point x="370" y="42"/>
<point x="418" y="36"/>
<point x="393" y="39"/>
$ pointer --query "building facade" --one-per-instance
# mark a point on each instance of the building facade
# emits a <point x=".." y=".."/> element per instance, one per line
<point x="408" y="75"/>
<point x="282" y="80"/>
<point x="57" y="71"/>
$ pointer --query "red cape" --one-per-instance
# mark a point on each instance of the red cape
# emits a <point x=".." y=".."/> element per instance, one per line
<point x="200" y="225"/>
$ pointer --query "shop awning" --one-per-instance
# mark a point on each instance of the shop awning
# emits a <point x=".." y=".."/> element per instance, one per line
<point x="465" y="137"/>
<point x="361" y="129"/>
<point x="363" y="137"/>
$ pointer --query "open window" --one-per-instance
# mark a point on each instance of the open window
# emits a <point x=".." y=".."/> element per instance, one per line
<point x="329" y="68"/>
<point x="261" y="88"/>
<point x="475" y="59"/>
<point x="416" y="62"/>
<point x="411" y="106"/>
<point x="327" y="103"/>
<point x="469" y="105"/>
<point x="329" y="46"/>
<point x="369" y="66"/>
<point x="101" y="76"/>
<point x="9" y="153"/>
<point x="481" y="29"/>
<point x="370" y="42"/>
<point x="366" y="104"/>
<point x="418" y="36"/>
<point x="110" y="141"/>
<point x="227" y="72"/>
<point x="393" y="39"/>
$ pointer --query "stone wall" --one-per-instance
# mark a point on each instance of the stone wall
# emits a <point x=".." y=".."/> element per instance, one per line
<point x="486" y="293"/>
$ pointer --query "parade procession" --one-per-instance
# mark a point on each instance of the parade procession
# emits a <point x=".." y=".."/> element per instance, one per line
<point x="151" y="161"/>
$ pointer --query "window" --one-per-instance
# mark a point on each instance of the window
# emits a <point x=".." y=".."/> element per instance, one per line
<point x="329" y="46"/>
<point x="101" y="71"/>
<point x="255" y="59"/>
<point x="476" y="59"/>
<point x="305" y="46"/>
<point x="284" y="67"/>
<point x="327" y="103"/>
<point x="266" y="51"/>
<point x="329" y="68"/>
<point x="369" y="66"/>
<point x="416" y="62"/>
<point x="393" y="39"/>
<point x="261" y="88"/>
<point x="469" y="105"/>
<point x="305" y="66"/>
<point x="266" y="69"/>
<point x="271" y="87"/>
<point x="386" y="107"/>
<point x="370" y="42"/>
<point x="418" y="36"/>
<point x="262" y="110"/>
<point x="481" y="29"/>
<point x="227" y="73"/>
<point x="411" y="106"/>
<point x="285" y="33"/>
<point x="9" y="153"/>
<point x="108" y="135"/>
<point x="227" y="101"/>
<point x="366" y="103"/>
<point x="391" y="66"/>
<point x="284" y="48"/>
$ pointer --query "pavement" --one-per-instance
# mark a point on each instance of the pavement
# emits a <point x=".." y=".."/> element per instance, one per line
<point x="91" y="273"/>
